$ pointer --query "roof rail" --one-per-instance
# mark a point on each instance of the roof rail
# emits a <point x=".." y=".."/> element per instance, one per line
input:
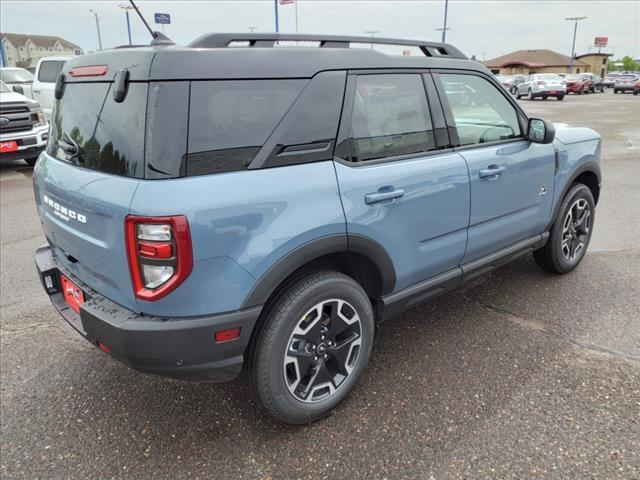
<point x="221" y="40"/>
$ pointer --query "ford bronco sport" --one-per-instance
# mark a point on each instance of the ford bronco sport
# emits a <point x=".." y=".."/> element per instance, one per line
<point x="246" y="200"/>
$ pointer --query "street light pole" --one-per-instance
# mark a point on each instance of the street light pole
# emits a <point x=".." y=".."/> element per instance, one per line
<point x="444" y="27"/>
<point x="98" y="28"/>
<point x="575" y="31"/>
<point x="372" y="33"/>
<point x="126" y="9"/>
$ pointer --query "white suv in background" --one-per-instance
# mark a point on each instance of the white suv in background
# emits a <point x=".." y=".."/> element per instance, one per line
<point x="543" y="85"/>
<point x="45" y="81"/>
<point x="23" y="128"/>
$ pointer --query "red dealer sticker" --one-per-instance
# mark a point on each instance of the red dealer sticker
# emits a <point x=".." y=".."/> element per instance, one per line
<point x="6" y="147"/>
<point x="72" y="294"/>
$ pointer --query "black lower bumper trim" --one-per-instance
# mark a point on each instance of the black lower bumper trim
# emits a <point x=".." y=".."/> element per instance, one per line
<point x="175" y="347"/>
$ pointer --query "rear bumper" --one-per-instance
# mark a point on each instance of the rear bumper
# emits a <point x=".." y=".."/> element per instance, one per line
<point x="174" y="347"/>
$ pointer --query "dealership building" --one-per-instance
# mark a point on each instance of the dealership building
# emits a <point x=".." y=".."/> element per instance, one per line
<point x="526" y="62"/>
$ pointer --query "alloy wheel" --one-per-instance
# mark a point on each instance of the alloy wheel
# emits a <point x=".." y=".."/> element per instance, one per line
<point x="575" y="229"/>
<point x="322" y="350"/>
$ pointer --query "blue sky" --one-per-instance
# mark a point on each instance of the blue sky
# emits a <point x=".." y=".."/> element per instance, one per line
<point x="484" y="28"/>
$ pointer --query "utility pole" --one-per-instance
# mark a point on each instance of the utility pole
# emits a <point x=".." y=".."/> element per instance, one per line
<point x="573" y="45"/>
<point x="444" y="31"/>
<point x="372" y="33"/>
<point x="126" y="9"/>
<point x="444" y="26"/>
<point x="98" y="28"/>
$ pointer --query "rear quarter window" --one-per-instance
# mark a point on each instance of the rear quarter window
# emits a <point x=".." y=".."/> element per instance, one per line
<point x="229" y="121"/>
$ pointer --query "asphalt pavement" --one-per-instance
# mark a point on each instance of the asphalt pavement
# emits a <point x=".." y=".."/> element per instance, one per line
<point x="522" y="374"/>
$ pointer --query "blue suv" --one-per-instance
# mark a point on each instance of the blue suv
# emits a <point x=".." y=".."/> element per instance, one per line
<point x="262" y="200"/>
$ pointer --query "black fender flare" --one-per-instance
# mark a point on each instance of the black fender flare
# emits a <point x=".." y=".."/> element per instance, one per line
<point x="302" y="255"/>
<point x="590" y="167"/>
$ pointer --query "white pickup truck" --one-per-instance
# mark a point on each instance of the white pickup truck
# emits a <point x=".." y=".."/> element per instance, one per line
<point x="44" y="82"/>
<point x="23" y="128"/>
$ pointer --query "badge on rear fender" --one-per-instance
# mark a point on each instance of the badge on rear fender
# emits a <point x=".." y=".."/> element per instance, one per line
<point x="63" y="212"/>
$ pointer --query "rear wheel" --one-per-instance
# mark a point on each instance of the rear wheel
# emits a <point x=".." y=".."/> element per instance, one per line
<point x="530" y="95"/>
<point x="571" y="232"/>
<point x="560" y="97"/>
<point x="313" y="347"/>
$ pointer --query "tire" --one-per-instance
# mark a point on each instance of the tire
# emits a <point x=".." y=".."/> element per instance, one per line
<point x="518" y="96"/>
<point x="287" y="393"/>
<point x="556" y="256"/>
<point x="560" y="98"/>
<point x="31" y="161"/>
<point x="530" y="95"/>
<point x="544" y="98"/>
<point x="580" y="92"/>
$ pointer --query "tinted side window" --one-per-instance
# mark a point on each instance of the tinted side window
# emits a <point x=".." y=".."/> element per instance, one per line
<point x="481" y="113"/>
<point x="230" y="120"/>
<point x="49" y="71"/>
<point x="390" y="117"/>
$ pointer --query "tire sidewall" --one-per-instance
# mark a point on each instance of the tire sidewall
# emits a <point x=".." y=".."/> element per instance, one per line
<point x="270" y="356"/>
<point x="576" y="192"/>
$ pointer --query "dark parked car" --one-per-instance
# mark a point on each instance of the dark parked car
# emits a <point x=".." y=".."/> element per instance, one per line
<point x="511" y="82"/>
<point x="208" y="207"/>
<point x="578" y="83"/>
<point x="597" y="84"/>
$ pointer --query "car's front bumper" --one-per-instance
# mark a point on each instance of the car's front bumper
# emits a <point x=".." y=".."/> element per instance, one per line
<point x="30" y="143"/>
<point x="175" y="347"/>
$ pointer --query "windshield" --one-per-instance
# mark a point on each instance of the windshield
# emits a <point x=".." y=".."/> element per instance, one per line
<point x="574" y="78"/>
<point x="549" y="76"/>
<point x="16" y="76"/>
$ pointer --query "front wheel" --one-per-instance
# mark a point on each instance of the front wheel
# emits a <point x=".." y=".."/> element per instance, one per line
<point x="560" y="97"/>
<point x="571" y="232"/>
<point x="313" y="347"/>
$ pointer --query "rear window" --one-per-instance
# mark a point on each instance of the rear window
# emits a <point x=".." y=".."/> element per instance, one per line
<point x="91" y="130"/>
<point x="229" y="121"/>
<point x="49" y="71"/>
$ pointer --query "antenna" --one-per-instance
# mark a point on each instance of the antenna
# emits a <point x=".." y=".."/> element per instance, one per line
<point x="158" y="38"/>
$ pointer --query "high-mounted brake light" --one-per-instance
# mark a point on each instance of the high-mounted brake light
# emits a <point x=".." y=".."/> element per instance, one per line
<point x="159" y="253"/>
<point x="89" y="71"/>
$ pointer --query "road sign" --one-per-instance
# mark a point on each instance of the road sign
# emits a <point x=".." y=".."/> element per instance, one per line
<point x="601" y="41"/>
<point x="162" y="18"/>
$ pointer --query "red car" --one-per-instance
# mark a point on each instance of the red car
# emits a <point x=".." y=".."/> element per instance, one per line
<point x="636" y="88"/>
<point x="578" y="83"/>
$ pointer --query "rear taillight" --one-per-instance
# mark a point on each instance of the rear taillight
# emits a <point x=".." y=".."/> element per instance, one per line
<point x="159" y="252"/>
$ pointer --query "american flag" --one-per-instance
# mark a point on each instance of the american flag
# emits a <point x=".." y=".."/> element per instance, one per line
<point x="286" y="2"/>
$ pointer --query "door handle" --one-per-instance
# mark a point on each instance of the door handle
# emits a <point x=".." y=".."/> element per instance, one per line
<point x="36" y="91"/>
<point x="383" y="194"/>
<point x="492" y="171"/>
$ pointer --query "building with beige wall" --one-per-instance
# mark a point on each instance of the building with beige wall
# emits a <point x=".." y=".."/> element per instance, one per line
<point x="526" y="62"/>
<point x="25" y="50"/>
<point x="596" y="62"/>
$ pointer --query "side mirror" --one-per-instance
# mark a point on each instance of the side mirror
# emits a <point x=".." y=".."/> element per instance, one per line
<point x="18" y="89"/>
<point x="540" y="131"/>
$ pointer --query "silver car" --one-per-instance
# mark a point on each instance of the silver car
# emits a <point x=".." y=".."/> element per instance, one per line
<point x="543" y="85"/>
